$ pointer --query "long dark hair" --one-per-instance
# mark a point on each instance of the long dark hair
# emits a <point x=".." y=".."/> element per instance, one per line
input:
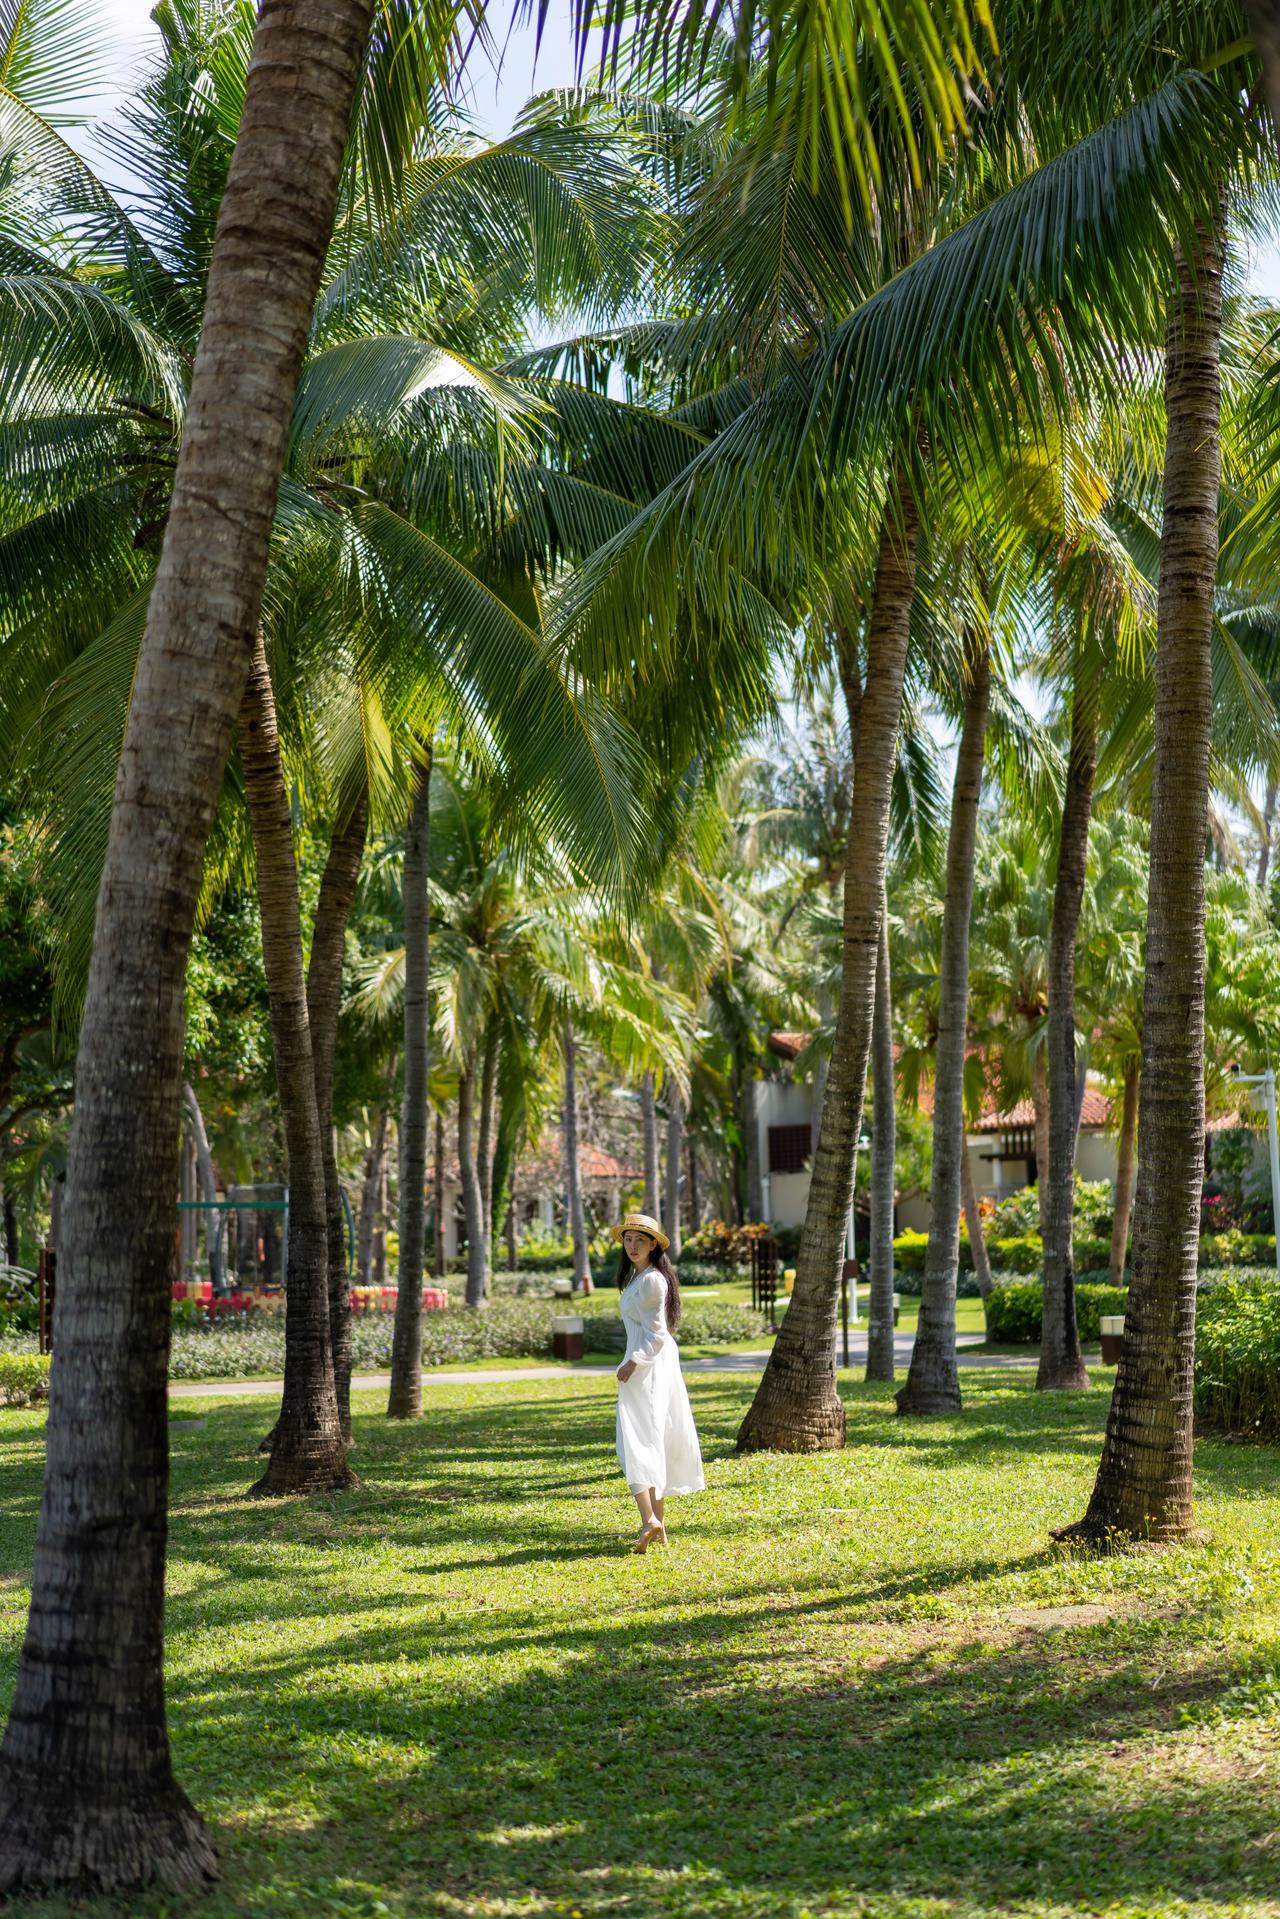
<point x="660" y="1264"/>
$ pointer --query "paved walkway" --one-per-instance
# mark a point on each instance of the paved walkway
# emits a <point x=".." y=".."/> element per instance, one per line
<point x="502" y="1375"/>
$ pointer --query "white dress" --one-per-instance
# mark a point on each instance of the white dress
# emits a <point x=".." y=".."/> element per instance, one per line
<point x="657" y="1439"/>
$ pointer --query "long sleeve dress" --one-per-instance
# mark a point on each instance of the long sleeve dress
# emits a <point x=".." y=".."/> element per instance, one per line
<point x="657" y="1439"/>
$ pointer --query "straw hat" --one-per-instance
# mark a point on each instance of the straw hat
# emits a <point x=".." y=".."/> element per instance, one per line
<point x="641" y="1223"/>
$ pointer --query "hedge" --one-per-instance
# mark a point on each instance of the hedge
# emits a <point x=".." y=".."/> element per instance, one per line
<point x="506" y="1329"/>
<point x="1014" y="1310"/>
<point x="24" y="1378"/>
<point x="1238" y="1357"/>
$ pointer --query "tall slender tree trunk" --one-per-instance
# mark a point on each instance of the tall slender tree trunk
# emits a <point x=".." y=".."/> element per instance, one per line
<point x="933" y="1383"/>
<point x="751" y="1142"/>
<point x="973" y="1220"/>
<point x="1062" y="1367"/>
<point x="441" y="1257"/>
<point x="324" y="1002"/>
<point x="1124" y="1176"/>
<point x="87" y="1794"/>
<point x="649" y="1128"/>
<point x="366" y="1232"/>
<point x="207" y="1179"/>
<point x="884" y="1174"/>
<point x="1268" y="829"/>
<point x="695" y="1203"/>
<point x="573" y="1164"/>
<point x="188" y="1196"/>
<point x="12" y="1248"/>
<point x="1143" y="1487"/>
<point x="1264" y="20"/>
<point x="472" y="1197"/>
<point x="404" y="1400"/>
<point x="382" y="1219"/>
<point x="797" y="1407"/>
<point x="675" y="1153"/>
<point x="308" y="1452"/>
<point x="487" y="1143"/>
<point x="513" y="1254"/>
<point x="1040" y="1109"/>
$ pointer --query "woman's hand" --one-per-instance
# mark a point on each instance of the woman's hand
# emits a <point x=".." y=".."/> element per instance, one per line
<point x="626" y="1369"/>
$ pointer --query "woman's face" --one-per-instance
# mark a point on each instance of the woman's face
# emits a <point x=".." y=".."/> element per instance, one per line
<point x="638" y="1246"/>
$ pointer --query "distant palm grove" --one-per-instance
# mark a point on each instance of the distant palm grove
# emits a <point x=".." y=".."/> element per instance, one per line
<point x="766" y="575"/>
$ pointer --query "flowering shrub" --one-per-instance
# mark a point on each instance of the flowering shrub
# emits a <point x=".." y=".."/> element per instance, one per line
<point x="722" y="1244"/>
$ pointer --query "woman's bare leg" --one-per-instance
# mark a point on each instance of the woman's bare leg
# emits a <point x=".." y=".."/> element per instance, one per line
<point x="659" y="1506"/>
<point x="651" y="1526"/>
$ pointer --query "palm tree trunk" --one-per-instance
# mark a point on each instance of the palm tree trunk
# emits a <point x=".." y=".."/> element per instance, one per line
<point x="675" y="1151"/>
<point x="512" y="1249"/>
<point x="87" y="1793"/>
<point x="572" y="1164"/>
<point x="472" y="1198"/>
<point x="1040" y="1108"/>
<point x="1062" y="1367"/>
<point x="1264" y="21"/>
<point x="369" y="1195"/>
<point x="649" y="1125"/>
<point x="751" y="1143"/>
<point x="404" y="1400"/>
<point x="1268" y="827"/>
<point x="1124" y="1176"/>
<point x="884" y="1156"/>
<point x="208" y="1182"/>
<point x="308" y="1453"/>
<point x="695" y="1203"/>
<point x="797" y="1407"/>
<point x="381" y="1219"/>
<point x="973" y="1220"/>
<point x="441" y="1261"/>
<point x="324" y="1001"/>
<point x="1143" y="1487"/>
<point x="933" y="1384"/>
<point x="488" y="1135"/>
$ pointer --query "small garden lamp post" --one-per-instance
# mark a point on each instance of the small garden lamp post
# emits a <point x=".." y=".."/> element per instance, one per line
<point x="1267" y="1081"/>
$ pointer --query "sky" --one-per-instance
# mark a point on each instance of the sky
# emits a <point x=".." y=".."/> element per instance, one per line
<point x="496" y="93"/>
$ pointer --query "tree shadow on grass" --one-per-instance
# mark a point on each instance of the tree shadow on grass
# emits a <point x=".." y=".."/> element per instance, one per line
<point x="665" y="1759"/>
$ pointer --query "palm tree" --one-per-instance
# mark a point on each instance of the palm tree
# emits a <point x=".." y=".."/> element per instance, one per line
<point x="932" y="1383"/>
<point x="80" y="1802"/>
<point x="1143" y="1488"/>
<point x="880" y="1356"/>
<point x="404" y="1400"/>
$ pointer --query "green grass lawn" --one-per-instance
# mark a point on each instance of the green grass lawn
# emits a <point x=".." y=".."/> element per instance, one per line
<point x="843" y="1690"/>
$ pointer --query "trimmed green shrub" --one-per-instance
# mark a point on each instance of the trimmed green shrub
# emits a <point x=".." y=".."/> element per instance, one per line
<point x="1088" y="1251"/>
<point x="506" y="1329"/>
<point x="1234" y="1248"/>
<point x="1014" y="1310"/>
<point x="1022" y="1255"/>
<point x="908" y="1253"/>
<point x="704" y="1323"/>
<point x="1238" y="1357"/>
<point x="19" y="1308"/>
<point x="24" y="1378"/>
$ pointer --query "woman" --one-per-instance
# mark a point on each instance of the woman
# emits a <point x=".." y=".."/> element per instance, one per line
<point x="657" y="1441"/>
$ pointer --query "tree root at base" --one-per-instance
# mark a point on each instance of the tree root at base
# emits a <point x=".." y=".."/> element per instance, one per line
<point x="54" y="1840"/>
